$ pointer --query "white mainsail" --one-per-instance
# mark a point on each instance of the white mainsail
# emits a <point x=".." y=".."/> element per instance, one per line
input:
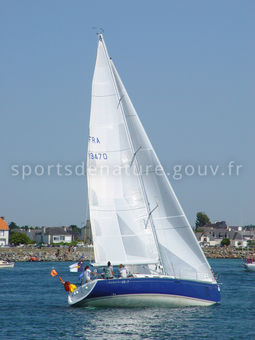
<point x="117" y="206"/>
<point x="135" y="215"/>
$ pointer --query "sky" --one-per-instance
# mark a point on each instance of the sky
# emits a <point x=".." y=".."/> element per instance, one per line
<point x="189" y="68"/>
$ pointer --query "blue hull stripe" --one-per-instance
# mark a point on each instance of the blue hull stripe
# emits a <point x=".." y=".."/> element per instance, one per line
<point x="165" y="286"/>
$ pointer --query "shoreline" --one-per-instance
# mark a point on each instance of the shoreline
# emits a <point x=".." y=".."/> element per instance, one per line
<point x="226" y="252"/>
<point x="62" y="254"/>
<point x="49" y="254"/>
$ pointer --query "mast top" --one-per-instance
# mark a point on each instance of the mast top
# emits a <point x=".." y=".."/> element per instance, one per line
<point x="100" y="36"/>
<point x="100" y="33"/>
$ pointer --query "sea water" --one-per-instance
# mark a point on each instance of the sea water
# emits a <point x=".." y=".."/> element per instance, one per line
<point x="33" y="305"/>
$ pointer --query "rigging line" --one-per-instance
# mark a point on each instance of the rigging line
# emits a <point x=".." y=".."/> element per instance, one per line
<point x="148" y="218"/>
<point x="133" y="158"/>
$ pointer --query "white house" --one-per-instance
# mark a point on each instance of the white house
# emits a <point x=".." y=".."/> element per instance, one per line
<point x="4" y="232"/>
<point x="214" y="237"/>
<point x="54" y="235"/>
<point x="207" y="239"/>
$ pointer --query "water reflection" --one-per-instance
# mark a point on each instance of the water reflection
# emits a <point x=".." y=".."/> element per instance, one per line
<point x="138" y="323"/>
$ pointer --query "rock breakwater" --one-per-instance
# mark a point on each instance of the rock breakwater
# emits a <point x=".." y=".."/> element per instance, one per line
<point x="24" y="254"/>
<point x="225" y="252"/>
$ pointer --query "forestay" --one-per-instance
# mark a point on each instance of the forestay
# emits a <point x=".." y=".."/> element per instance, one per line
<point x="135" y="217"/>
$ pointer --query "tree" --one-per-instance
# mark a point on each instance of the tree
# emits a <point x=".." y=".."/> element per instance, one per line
<point x="225" y="242"/>
<point x="13" y="225"/>
<point x="202" y="219"/>
<point x="75" y="228"/>
<point x="19" y="238"/>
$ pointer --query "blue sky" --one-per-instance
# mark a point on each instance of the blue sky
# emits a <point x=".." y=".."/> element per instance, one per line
<point x="188" y="67"/>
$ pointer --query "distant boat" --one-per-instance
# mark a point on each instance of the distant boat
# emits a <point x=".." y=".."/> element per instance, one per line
<point x="6" y="264"/>
<point x="136" y="219"/>
<point x="34" y="259"/>
<point x="249" y="263"/>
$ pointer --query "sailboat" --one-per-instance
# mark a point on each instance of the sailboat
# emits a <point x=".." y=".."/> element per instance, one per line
<point x="6" y="264"/>
<point x="136" y="218"/>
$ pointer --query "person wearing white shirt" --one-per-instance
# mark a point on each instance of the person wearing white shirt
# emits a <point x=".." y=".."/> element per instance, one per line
<point x="87" y="274"/>
<point x="122" y="271"/>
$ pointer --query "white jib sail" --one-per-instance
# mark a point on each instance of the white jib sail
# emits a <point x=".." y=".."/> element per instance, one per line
<point x="135" y="218"/>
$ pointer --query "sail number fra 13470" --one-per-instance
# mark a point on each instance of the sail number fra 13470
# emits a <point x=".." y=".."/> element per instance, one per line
<point x="97" y="155"/>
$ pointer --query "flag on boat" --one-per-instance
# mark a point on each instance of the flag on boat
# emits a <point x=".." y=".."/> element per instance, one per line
<point x="76" y="267"/>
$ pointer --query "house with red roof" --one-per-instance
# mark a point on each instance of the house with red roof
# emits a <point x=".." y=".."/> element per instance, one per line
<point x="4" y="232"/>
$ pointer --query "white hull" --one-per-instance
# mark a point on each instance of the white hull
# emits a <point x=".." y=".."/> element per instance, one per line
<point x="4" y="264"/>
<point x="250" y="266"/>
<point x="146" y="300"/>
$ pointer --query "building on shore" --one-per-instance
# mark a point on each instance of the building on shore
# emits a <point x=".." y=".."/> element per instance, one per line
<point x="49" y="235"/>
<point x="213" y="234"/>
<point x="4" y="232"/>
